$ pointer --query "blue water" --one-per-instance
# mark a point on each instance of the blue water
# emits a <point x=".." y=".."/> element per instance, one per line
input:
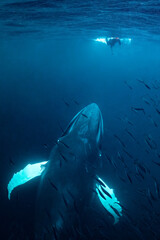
<point x="80" y="19"/>
<point x="50" y="68"/>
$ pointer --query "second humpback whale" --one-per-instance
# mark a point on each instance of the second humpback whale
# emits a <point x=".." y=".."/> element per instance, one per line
<point x="69" y="179"/>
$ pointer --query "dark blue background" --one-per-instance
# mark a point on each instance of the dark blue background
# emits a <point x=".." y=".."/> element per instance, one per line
<point x="40" y="73"/>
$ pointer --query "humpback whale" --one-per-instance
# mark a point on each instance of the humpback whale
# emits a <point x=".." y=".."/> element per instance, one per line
<point x="69" y="179"/>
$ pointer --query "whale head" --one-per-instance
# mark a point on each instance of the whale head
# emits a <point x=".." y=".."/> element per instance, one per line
<point x="87" y="125"/>
<point x="84" y="132"/>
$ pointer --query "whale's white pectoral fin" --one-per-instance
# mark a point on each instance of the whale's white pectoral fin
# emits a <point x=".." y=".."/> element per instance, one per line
<point x="29" y="172"/>
<point x="109" y="200"/>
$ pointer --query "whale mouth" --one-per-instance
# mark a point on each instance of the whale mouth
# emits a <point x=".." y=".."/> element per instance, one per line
<point x="87" y="124"/>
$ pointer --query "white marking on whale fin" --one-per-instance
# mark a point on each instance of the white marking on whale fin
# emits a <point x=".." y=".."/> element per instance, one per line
<point x="109" y="202"/>
<point x="29" y="172"/>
